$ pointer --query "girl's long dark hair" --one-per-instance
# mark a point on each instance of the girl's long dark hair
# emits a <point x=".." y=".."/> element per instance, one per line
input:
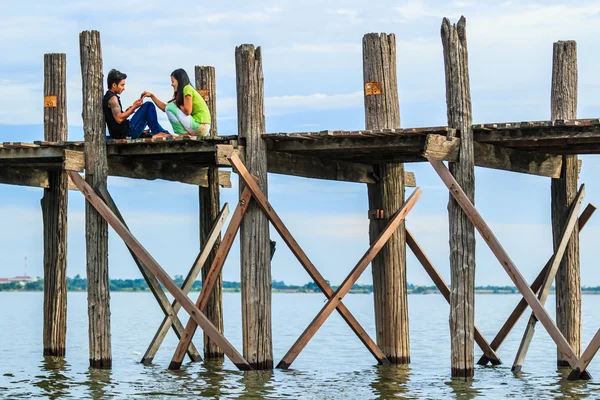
<point x="183" y="80"/>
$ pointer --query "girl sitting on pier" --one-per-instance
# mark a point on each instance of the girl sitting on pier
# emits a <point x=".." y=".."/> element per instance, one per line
<point x="187" y="111"/>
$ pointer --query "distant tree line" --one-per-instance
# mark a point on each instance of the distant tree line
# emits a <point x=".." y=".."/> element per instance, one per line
<point x="79" y="284"/>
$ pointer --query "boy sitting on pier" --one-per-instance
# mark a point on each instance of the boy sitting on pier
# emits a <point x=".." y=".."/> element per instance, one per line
<point x="119" y="127"/>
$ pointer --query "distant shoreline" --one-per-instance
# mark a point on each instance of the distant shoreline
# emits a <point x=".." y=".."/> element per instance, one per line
<point x="79" y="284"/>
<point x="359" y="291"/>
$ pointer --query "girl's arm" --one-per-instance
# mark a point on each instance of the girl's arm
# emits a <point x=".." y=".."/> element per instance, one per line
<point x="156" y="101"/>
<point x="187" y="105"/>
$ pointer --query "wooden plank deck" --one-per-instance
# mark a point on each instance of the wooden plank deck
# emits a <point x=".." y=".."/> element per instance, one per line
<point x="348" y="155"/>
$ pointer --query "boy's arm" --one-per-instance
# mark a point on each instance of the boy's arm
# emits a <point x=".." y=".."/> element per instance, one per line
<point x="119" y="114"/>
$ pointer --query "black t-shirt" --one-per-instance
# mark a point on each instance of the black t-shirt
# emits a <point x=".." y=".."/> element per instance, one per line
<point x="115" y="130"/>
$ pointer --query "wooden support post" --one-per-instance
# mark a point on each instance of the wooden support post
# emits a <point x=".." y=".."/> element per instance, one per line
<point x="301" y="256"/>
<point x="96" y="229"/>
<point x="350" y="280"/>
<point x="188" y="282"/>
<point x="508" y="265"/>
<point x="54" y="210"/>
<point x="95" y="201"/>
<point x="382" y="111"/>
<point x="564" y="190"/>
<point x="548" y="279"/>
<point x="209" y="210"/>
<point x="435" y="276"/>
<point x="535" y="286"/>
<point x="462" y="232"/>
<point x="150" y="279"/>
<point x="254" y="234"/>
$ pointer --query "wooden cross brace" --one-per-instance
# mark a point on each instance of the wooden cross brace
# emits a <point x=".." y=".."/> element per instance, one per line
<point x="442" y="286"/>
<point x="540" y="312"/>
<point x="170" y="310"/>
<point x="520" y="308"/>
<point x="253" y="191"/>
<point x="334" y="298"/>
<point x="549" y="278"/>
<point x="153" y="266"/>
<point x="186" y="287"/>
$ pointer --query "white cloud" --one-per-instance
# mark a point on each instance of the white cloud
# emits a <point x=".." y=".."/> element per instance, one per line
<point x="282" y="105"/>
<point x="350" y="14"/>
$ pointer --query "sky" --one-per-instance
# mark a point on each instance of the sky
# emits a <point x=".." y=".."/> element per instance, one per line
<point x="312" y="65"/>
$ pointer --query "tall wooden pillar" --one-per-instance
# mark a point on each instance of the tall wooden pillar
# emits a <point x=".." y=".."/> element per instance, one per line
<point x="564" y="191"/>
<point x="462" y="232"/>
<point x="382" y="111"/>
<point x="96" y="228"/>
<point x="210" y="204"/>
<point x="54" y="210"/>
<point x="254" y="232"/>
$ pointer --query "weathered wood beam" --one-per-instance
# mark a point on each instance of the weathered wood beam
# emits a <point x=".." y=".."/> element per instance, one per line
<point x="341" y="144"/>
<point x="129" y="167"/>
<point x="209" y="201"/>
<point x="24" y="177"/>
<point x="442" y="148"/>
<point x="462" y="231"/>
<point x="96" y="232"/>
<point x="548" y="279"/>
<point x="206" y="147"/>
<point x="382" y="111"/>
<point x="255" y="244"/>
<point x="564" y="192"/>
<point x="312" y="167"/>
<point x="54" y="207"/>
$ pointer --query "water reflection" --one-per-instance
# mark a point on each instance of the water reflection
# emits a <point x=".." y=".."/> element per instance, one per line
<point x="391" y="381"/>
<point x="570" y="389"/>
<point x="99" y="383"/>
<point x="257" y="384"/>
<point x="213" y="378"/>
<point x="55" y="383"/>
<point x="463" y="388"/>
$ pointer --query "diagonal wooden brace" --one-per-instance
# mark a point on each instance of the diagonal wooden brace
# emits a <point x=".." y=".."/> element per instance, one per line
<point x="579" y="371"/>
<point x="520" y="308"/>
<point x="510" y="268"/>
<point x="316" y="276"/>
<point x="186" y="287"/>
<point x="153" y="284"/>
<point x="212" y="276"/>
<point x="445" y="291"/>
<point x="145" y="257"/>
<point x="549" y="278"/>
<point x="345" y="287"/>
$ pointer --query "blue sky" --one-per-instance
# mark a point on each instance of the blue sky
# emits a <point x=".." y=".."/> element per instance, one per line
<point x="313" y="80"/>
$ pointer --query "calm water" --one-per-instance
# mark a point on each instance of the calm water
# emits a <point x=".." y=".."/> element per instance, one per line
<point x="333" y="365"/>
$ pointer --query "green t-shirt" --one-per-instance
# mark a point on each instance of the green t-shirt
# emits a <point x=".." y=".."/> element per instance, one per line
<point x="200" y="110"/>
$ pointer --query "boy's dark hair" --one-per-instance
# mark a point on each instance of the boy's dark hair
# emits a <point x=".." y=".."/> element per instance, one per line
<point x="115" y="76"/>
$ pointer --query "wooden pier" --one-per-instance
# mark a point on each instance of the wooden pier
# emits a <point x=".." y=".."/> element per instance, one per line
<point x="376" y="156"/>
